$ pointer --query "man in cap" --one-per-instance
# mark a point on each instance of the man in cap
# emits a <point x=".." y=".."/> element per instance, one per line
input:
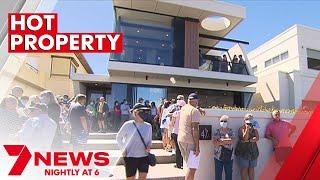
<point x="188" y="135"/>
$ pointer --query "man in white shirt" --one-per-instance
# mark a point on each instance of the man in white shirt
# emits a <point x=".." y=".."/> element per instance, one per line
<point x="39" y="130"/>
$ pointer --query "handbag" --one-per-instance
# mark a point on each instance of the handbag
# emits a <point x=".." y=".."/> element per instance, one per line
<point x="225" y="154"/>
<point x="152" y="161"/>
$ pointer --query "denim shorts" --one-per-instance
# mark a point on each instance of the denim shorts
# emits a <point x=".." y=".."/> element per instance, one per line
<point x="245" y="163"/>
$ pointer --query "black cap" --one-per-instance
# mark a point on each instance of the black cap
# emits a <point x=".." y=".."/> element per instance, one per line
<point x="139" y="106"/>
<point x="193" y="96"/>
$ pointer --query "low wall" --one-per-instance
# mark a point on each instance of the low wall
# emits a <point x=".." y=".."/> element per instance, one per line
<point x="206" y="170"/>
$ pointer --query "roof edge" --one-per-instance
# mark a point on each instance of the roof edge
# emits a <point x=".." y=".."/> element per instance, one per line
<point x="84" y="62"/>
<point x="272" y="39"/>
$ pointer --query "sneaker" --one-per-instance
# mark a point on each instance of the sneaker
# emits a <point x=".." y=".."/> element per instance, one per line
<point x="179" y="167"/>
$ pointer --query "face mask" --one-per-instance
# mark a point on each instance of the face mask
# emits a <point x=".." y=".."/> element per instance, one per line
<point x="223" y="124"/>
<point x="143" y="115"/>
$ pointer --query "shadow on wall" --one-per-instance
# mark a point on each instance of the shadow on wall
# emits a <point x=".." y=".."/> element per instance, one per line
<point x="257" y="101"/>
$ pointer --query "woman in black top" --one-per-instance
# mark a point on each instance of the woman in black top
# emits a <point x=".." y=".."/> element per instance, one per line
<point x="247" y="149"/>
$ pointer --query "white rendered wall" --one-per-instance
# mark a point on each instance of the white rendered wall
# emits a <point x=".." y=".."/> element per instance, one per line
<point x="294" y="85"/>
<point x="286" y="41"/>
<point x="206" y="170"/>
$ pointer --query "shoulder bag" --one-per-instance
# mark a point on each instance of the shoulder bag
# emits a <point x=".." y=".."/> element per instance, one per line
<point x="152" y="161"/>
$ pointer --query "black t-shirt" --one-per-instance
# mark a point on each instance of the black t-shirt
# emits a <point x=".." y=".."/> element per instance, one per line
<point x="77" y="111"/>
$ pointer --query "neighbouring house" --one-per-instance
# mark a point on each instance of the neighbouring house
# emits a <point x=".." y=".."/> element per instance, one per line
<point x="44" y="71"/>
<point x="286" y="67"/>
<point x="36" y="72"/>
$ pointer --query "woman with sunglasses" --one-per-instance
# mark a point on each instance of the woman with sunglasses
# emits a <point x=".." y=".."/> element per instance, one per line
<point x="247" y="149"/>
<point x="223" y="141"/>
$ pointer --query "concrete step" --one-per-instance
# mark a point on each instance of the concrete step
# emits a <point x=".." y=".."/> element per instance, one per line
<point x="162" y="156"/>
<point x="102" y="135"/>
<point x="158" y="172"/>
<point x="108" y="144"/>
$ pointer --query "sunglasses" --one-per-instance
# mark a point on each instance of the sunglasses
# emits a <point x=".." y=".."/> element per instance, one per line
<point x="224" y="121"/>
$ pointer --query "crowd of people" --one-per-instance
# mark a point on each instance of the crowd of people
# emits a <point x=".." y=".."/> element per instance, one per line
<point x="179" y="126"/>
<point x="42" y="121"/>
<point x="34" y="121"/>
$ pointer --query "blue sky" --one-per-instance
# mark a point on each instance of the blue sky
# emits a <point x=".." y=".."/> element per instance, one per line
<point x="265" y="19"/>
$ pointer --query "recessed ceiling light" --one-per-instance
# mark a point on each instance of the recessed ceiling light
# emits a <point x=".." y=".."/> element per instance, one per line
<point x="215" y="23"/>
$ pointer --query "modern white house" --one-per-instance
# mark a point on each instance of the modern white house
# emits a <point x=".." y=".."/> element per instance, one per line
<point x="169" y="49"/>
<point x="286" y="67"/>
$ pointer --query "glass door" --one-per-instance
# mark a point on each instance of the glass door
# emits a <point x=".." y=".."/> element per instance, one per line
<point x="149" y="93"/>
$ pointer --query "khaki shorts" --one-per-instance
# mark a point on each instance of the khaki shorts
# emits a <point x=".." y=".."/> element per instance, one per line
<point x="185" y="149"/>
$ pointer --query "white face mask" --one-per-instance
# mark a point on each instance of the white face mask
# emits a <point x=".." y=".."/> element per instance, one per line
<point x="223" y="124"/>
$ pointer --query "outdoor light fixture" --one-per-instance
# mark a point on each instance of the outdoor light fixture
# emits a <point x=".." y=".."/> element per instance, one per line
<point x="215" y="23"/>
<point x="173" y="80"/>
<point x="138" y="30"/>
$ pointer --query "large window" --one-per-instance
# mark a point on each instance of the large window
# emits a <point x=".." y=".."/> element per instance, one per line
<point x="63" y="66"/>
<point x="152" y="94"/>
<point x="313" y="57"/>
<point x="268" y="63"/>
<point x="148" y="37"/>
<point x="208" y="98"/>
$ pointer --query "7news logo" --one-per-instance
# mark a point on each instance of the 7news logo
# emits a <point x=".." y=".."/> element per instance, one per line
<point x="55" y="159"/>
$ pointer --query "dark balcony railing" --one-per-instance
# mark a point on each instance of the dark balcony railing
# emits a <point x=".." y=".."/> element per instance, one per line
<point x="213" y="64"/>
